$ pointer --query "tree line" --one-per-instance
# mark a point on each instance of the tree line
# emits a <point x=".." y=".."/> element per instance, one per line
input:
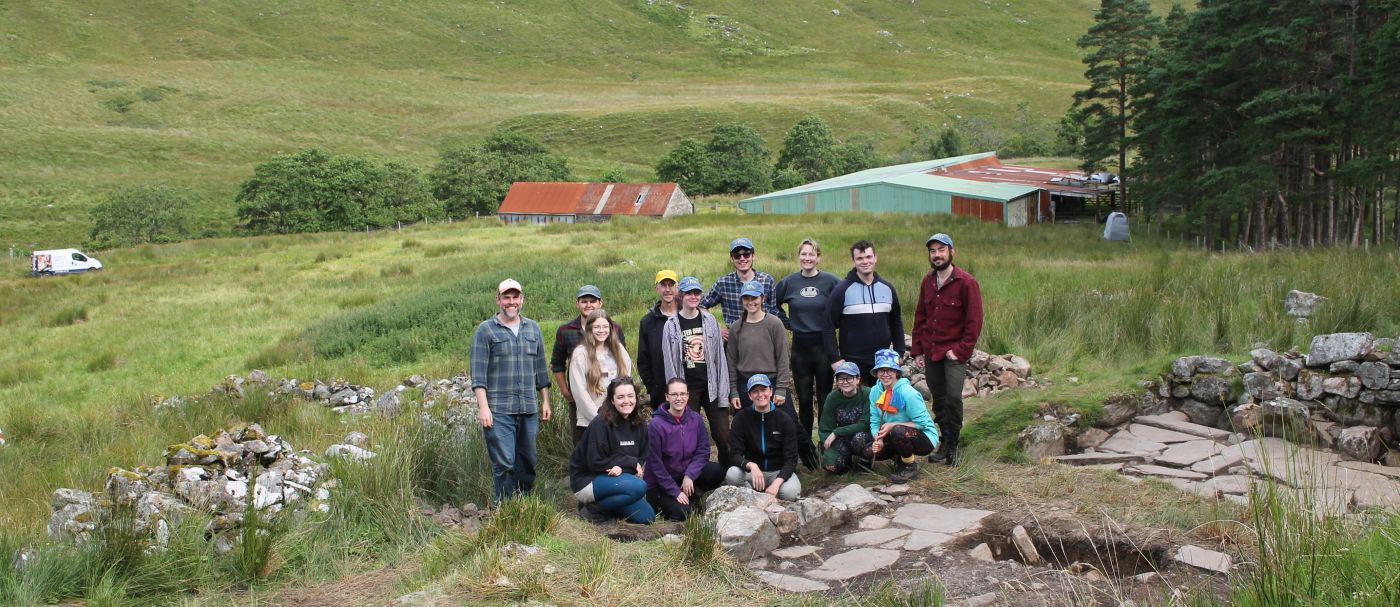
<point x="1264" y="123"/>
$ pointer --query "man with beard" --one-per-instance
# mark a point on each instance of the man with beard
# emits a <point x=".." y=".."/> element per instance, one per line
<point x="947" y="323"/>
<point x="650" y="364"/>
<point x="508" y="374"/>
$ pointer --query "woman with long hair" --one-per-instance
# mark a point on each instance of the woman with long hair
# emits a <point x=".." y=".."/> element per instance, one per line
<point x="605" y="471"/>
<point x="599" y="358"/>
<point x="758" y="345"/>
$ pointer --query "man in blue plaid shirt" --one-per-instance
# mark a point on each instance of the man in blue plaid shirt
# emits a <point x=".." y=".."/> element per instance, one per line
<point x="725" y="291"/>
<point x="508" y="372"/>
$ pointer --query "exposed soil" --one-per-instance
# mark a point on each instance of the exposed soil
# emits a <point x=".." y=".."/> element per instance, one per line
<point x="371" y="588"/>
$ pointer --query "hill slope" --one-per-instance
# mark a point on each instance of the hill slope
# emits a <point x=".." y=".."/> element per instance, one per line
<point x="101" y="94"/>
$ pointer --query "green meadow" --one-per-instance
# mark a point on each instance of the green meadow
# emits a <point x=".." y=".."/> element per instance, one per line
<point x="95" y="96"/>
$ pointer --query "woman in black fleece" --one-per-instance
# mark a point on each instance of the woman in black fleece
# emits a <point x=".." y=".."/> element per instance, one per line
<point x="605" y="471"/>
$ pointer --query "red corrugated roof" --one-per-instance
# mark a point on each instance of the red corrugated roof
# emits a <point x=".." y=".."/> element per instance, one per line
<point x="545" y="198"/>
<point x="580" y="198"/>
<point x="991" y="170"/>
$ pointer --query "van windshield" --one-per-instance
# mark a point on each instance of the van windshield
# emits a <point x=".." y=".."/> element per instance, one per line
<point x="79" y="257"/>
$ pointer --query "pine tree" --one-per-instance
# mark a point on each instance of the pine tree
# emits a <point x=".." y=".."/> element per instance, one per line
<point x="1119" y="44"/>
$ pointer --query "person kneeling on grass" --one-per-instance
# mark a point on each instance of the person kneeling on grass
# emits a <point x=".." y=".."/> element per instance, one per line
<point x="679" y="468"/>
<point x="899" y="420"/>
<point x="845" y="420"/>
<point x="763" y="445"/>
<point x="606" y="469"/>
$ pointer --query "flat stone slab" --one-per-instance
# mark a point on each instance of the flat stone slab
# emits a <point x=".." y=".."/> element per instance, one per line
<point x="1233" y="484"/>
<point x="855" y="563"/>
<point x="1174" y="423"/>
<point x="874" y="537"/>
<point x="1292" y="465"/>
<point x="1127" y="442"/>
<point x="1228" y="458"/>
<point x="1390" y="471"/>
<point x="926" y="540"/>
<point x="1163" y="471"/>
<point x="1095" y="459"/>
<point x="795" y="552"/>
<point x="790" y="583"/>
<point x="932" y="517"/>
<point x="1184" y="454"/>
<point x="1161" y="435"/>
<point x="1373" y="491"/>
<point x="1201" y="558"/>
<point x="874" y="522"/>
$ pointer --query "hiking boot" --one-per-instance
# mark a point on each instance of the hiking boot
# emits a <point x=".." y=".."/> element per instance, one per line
<point x="939" y="454"/>
<point x="904" y="472"/>
<point x="954" y="455"/>
<point x="592" y="513"/>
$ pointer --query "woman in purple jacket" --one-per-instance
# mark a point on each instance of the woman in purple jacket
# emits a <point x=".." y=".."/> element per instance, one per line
<point x="679" y="469"/>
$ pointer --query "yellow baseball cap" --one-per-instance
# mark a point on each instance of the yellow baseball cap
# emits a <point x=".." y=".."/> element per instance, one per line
<point x="667" y="275"/>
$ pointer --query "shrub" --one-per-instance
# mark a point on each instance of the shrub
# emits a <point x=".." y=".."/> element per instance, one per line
<point x="313" y="192"/>
<point x="473" y="179"/>
<point x="139" y="215"/>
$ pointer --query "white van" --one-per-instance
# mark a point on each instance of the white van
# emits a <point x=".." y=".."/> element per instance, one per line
<point x="61" y="261"/>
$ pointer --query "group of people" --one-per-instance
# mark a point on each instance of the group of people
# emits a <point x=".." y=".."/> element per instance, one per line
<point x="809" y="349"/>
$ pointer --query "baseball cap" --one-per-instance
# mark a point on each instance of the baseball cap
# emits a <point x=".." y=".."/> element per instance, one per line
<point x="751" y="289"/>
<point x="589" y="291"/>
<point x="758" y="379"/>
<point x="508" y="285"/>
<point x="666" y="275"/>
<point x="886" y="359"/>
<point x="740" y="243"/>
<point x="848" y="368"/>
<point x="690" y="283"/>
<point x="939" y="237"/>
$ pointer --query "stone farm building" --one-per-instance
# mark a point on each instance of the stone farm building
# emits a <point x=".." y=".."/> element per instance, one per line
<point x="577" y="202"/>
<point x="978" y="185"/>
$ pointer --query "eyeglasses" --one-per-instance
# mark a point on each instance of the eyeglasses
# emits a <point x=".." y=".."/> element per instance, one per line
<point x="741" y="255"/>
<point x="845" y="378"/>
<point x="679" y="394"/>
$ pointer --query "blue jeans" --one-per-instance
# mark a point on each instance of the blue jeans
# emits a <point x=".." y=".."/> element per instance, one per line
<point x="623" y="496"/>
<point x="510" y="443"/>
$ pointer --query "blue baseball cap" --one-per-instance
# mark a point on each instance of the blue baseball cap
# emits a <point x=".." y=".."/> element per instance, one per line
<point x="939" y="237"/>
<point x="690" y="283"/>
<point x="758" y="379"/>
<point x="886" y="359"/>
<point x="740" y="243"/>
<point x="751" y="289"/>
<point x="848" y="368"/>
<point x="589" y="291"/>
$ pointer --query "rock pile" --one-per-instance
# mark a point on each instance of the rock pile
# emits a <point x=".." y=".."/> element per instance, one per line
<point x="220" y="475"/>
<point x="986" y="373"/>
<point x="1318" y="425"/>
<point x="341" y="396"/>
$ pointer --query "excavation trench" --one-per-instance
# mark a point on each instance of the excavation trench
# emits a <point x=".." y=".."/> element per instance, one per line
<point x="1068" y="544"/>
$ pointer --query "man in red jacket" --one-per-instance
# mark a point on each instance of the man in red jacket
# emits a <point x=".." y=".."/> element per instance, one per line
<point x="947" y="323"/>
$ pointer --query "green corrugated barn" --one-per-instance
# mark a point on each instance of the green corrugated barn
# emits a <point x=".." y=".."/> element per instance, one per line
<point x="910" y="188"/>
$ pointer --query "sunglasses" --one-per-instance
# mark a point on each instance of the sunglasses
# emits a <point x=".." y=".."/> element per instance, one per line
<point x="741" y="255"/>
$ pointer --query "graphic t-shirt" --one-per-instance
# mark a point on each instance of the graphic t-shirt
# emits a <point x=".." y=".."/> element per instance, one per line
<point x="693" y="349"/>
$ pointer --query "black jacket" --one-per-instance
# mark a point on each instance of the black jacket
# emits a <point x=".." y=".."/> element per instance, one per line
<point x="767" y="439"/>
<point x="604" y="446"/>
<point x="867" y="317"/>
<point x="650" y="366"/>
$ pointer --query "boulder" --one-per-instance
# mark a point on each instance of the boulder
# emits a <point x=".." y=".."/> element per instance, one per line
<point x="343" y="397"/>
<point x="1343" y="367"/>
<point x="1261" y="386"/>
<point x="1301" y="304"/>
<point x="979" y="360"/>
<point x="728" y="498"/>
<point x="1327" y="349"/>
<point x="1309" y="386"/>
<point x="816" y="517"/>
<point x="1359" y="444"/>
<point x="1289" y="369"/>
<point x="357" y="439"/>
<point x="1185" y="367"/>
<point x="1284" y="418"/>
<point x="1203" y="413"/>
<point x="1090" y="438"/>
<point x="1266" y="359"/>
<point x="1244" y="418"/>
<point x="854" y="500"/>
<point x="350" y="451"/>
<point x="1374" y="375"/>
<point x="1022" y="541"/>
<point x="1214" y="365"/>
<point x="1118" y="410"/>
<point x="746" y="533"/>
<point x="1345" y="387"/>
<point x="75" y="516"/>
<point x="1044" y="439"/>
<point x="388" y="403"/>
<point x="1211" y="389"/>
<point x="1020" y="366"/>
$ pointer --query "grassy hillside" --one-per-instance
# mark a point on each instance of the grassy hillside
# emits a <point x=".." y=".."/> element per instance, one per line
<point x="100" y="94"/>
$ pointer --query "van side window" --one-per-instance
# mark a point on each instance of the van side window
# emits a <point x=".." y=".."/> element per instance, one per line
<point x="79" y="257"/>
